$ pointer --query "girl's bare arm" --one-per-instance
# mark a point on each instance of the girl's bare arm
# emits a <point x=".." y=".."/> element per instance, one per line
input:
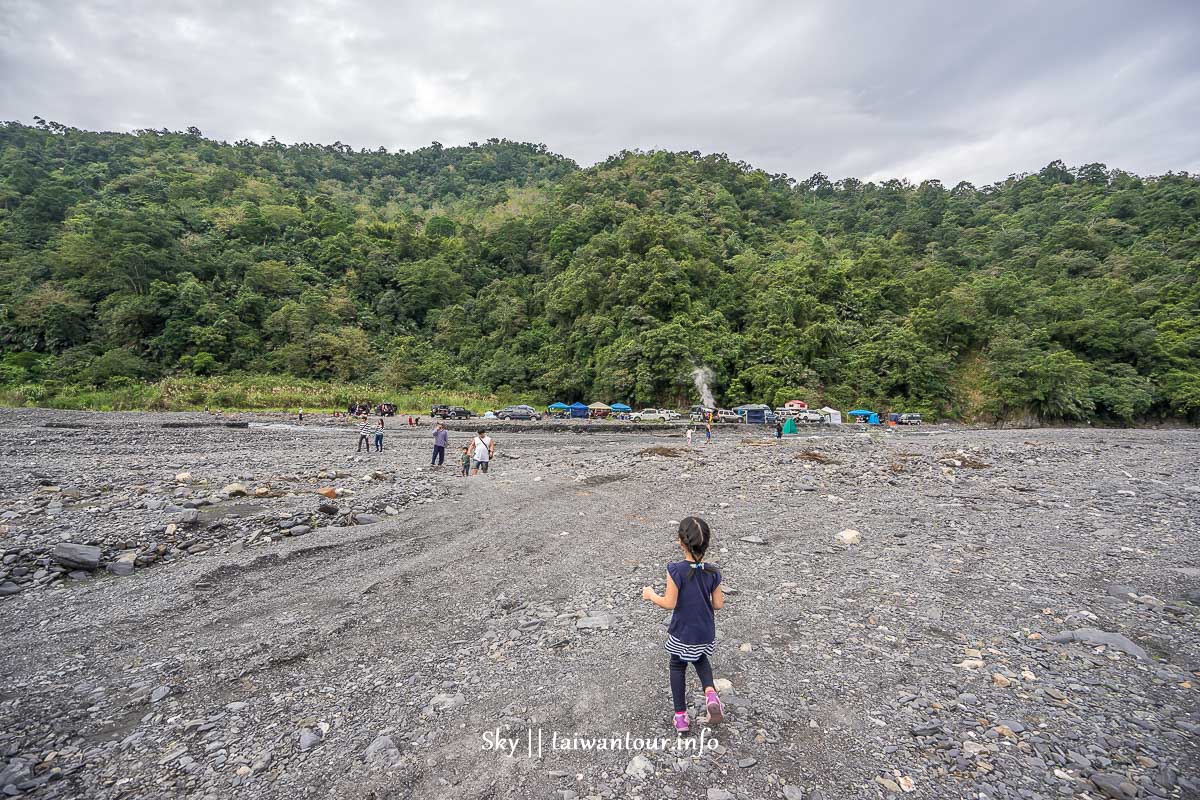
<point x="718" y="598"/>
<point x="667" y="599"/>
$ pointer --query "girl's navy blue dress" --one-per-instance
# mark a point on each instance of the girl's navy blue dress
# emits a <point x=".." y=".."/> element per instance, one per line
<point x="693" y="630"/>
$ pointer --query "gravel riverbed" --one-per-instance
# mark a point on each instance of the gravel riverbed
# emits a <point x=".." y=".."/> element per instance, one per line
<point x="189" y="609"/>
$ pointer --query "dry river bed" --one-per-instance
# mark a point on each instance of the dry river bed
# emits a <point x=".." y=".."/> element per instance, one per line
<point x="927" y="613"/>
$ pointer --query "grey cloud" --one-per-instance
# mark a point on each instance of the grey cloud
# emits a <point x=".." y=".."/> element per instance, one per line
<point x="968" y="90"/>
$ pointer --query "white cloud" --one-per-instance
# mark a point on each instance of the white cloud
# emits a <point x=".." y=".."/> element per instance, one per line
<point x="971" y="90"/>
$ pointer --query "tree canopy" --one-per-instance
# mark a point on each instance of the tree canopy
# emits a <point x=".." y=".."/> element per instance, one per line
<point x="1068" y="294"/>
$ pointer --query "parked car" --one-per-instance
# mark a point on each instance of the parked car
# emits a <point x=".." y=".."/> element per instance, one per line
<point x="449" y="412"/>
<point x="909" y="419"/>
<point x="671" y="413"/>
<point x="518" y="412"/>
<point x="651" y="415"/>
<point x="698" y="413"/>
<point x="786" y="413"/>
<point x="806" y="416"/>
<point x="725" y="415"/>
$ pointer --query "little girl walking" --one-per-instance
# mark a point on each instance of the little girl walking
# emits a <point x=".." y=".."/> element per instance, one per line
<point x="694" y="593"/>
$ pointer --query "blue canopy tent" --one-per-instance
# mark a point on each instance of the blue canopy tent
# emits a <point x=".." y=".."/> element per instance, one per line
<point x="862" y="415"/>
<point x="578" y="410"/>
<point x="558" y="406"/>
<point x="753" y="413"/>
<point x="620" y="407"/>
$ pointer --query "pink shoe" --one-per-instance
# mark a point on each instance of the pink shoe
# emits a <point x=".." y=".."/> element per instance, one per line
<point x="716" y="709"/>
<point x="681" y="722"/>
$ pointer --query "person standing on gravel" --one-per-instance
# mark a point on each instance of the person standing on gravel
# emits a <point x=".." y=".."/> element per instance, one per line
<point x="689" y="436"/>
<point x="364" y="434"/>
<point x="441" y="438"/>
<point x="693" y="595"/>
<point x="379" y="437"/>
<point x="482" y="449"/>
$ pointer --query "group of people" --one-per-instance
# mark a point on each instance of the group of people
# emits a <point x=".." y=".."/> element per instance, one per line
<point x="475" y="457"/>
<point x="691" y="430"/>
<point x="366" y="430"/>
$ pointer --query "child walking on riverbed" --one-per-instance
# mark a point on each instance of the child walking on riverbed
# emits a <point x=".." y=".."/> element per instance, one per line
<point x="693" y="593"/>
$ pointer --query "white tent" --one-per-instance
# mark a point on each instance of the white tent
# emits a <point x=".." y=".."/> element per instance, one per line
<point x="834" y="416"/>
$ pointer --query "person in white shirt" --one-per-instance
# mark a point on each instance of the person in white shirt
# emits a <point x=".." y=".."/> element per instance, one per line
<point x="482" y="449"/>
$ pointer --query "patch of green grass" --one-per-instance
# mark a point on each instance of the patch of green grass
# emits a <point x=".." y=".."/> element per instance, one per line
<point x="247" y="393"/>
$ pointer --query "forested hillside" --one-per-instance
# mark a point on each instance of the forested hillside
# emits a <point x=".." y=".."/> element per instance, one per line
<point x="1070" y="293"/>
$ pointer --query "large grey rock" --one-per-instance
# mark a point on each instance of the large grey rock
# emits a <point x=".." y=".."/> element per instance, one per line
<point x="76" y="556"/>
<point x="1094" y="636"/>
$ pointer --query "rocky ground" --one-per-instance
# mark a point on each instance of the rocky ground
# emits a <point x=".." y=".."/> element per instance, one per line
<point x="928" y="613"/>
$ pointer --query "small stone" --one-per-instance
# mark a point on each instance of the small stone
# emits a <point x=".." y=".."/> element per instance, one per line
<point x="1000" y="680"/>
<point x="235" y="490"/>
<point x="970" y="663"/>
<point x="447" y="702"/>
<point x="746" y="763"/>
<point x="1114" y="786"/>
<point x="745" y="648"/>
<point x="124" y="564"/>
<point x="160" y="693"/>
<point x="718" y="794"/>
<point x="309" y="739"/>
<point x="639" y="767"/>
<point x="183" y="477"/>
<point x="327" y="491"/>
<point x="888" y="784"/>
<point x="849" y="536"/>
<point x="792" y="792"/>
<point x="382" y="752"/>
<point x="602" y="621"/>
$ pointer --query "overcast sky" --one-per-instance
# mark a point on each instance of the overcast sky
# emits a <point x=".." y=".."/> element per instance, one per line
<point x="952" y="90"/>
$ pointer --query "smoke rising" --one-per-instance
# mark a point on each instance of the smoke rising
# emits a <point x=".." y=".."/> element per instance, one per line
<point x="701" y="376"/>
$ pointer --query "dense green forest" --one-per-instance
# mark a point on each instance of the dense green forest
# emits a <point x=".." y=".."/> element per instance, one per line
<point x="1069" y="293"/>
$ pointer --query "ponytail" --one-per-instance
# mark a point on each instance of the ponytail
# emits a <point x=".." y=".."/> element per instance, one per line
<point x="695" y="536"/>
